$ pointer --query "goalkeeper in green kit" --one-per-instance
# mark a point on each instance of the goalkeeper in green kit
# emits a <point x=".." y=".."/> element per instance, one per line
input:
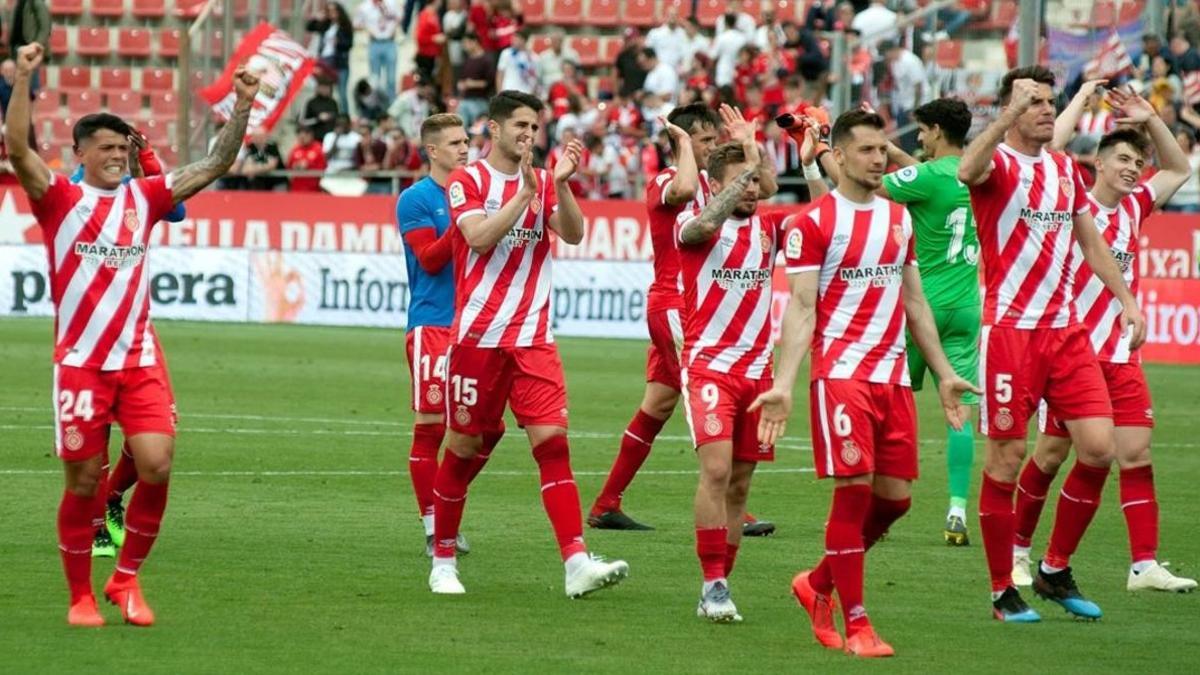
<point x="947" y="257"/>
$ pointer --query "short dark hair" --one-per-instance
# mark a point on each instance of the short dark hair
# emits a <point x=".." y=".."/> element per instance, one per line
<point x="88" y="125"/>
<point x="687" y="117"/>
<point x="951" y="115"/>
<point x="723" y="157"/>
<point x="649" y="53"/>
<point x="1039" y="74"/>
<point x="844" y="125"/>
<point x="1133" y="137"/>
<point x="503" y="105"/>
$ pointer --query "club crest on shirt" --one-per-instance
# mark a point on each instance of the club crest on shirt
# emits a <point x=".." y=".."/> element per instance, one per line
<point x="433" y="394"/>
<point x="764" y="237"/>
<point x="898" y="234"/>
<point x="458" y="195"/>
<point x="462" y="415"/>
<point x="1003" y="419"/>
<point x="794" y="244"/>
<point x="851" y="455"/>
<point x="131" y="220"/>
<point x="1067" y="185"/>
<point x="72" y="438"/>
<point x="712" y="425"/>
<point x="535" y="206"/>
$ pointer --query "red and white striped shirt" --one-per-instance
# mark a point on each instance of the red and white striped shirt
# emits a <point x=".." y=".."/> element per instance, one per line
<point x="1097" y="306"/>
<point x="502" y="297"/>
<point x="665" y="291"/>
<point x="727" y="296"/>
<point x="97" y="242"/>
<point x="1096" y="123"/>
<point x="1024" y="213"/>
<point x="860" y="251"/>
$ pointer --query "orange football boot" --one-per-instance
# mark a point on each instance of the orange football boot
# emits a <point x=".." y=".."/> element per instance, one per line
<point x="128" y="596"/>
<point x="85" y="613"/>
<point x="867" y="644"/>
<point x="820" y="611"/>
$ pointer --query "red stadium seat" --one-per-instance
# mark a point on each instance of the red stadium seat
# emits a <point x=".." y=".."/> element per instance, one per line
<point x="566" y="12"/>
<point x="164" y="106"/>
<point x="116" y="79"/>
<point x="80" y="103"/>
<point x="604" y="13"/>
<point x="168" y="42"/>
<point x="534" y="12"/>
<point x="156" y="132"/>
<point x="59" y="44"/>
<point x="108" y="8"/>
<point x="61" y="129"/>
<point x="708" y="11"/>
<point x="785" y="10"/>
<point x="158" y="79"/>
<point x="609" y="48"/>
<point x="65" y="8"/>
<point x="217" y="43"/>
<point x="588" y="49"/>
<point x="1004" y="13"/>
<point x="168" y="156"/>
<point x="150" y="9"/>
<point x="125" y="104"/>
<point x="74" y="78"/>
<point x="46" y="104"/>
<point x="642" y="13"/>
<point x="133" y="42"/>
<point x="539" y="43"/>
<point x="189" y="9"/>
<point x="753" y="8"/>
<point x="93" y="42"/>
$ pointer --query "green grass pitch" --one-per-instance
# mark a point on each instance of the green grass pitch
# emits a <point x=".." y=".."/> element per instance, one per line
<point x="291" y="541"/>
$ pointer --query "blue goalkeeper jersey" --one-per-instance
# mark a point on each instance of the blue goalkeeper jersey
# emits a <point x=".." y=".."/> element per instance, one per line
<point x="431" y="295"/>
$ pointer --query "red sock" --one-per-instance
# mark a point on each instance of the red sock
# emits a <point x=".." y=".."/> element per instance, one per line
<point x="710" y="548"/>
<point x="821" y="577"/>
<point x="76" y="528"/>
<point x="881" y="516"/>
<point x="490" y="440"/>
<point x="635" y="448"/>
<point x="1032" y="487"/>
<point x="449" y="499"/>
<point x="142" y="520"/>
<point x="423" y="463"/>
<point x="560" y="494"/>
<point x="844" y="550"/>
<point x="731" y="551"/>
<point x="1077" y="504"/>
<point x="123" y="475"/>
<point x="996" y="524"/>
<point x="1141" y="512"/>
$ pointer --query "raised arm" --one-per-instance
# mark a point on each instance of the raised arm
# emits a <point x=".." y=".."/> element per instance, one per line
<point x="1068" y="120"/>
<point x="799" y="321"/>
<point x="817" y="187"/>
<point x="1173" y="167"/>
<point x="976" y="163"/>
<point x="31" y="171"/>
<point x="687" y="175"/>
<point x="744" y="132"/>
<point x="705" y="225"/>
<point x="568" y="220"/>
<point x="1098" y="257"/>
<point x="188" y="180"/>
<point x="924" y="332"/>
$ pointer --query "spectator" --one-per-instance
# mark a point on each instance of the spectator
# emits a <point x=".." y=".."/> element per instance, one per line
<point x="876" y="23"/>
<point x="505" y="23"/>
<point x="341" y="146"/>
<point x="476" y="80"/>
<point x="1152" y="46"/>
<point x="1164" y="87"/>
<point x="697" y="47"/>
<point x="944" y="23"/>
<point x="517" y="69"/>
<point x="550" y="62"/>
<point x="404" y="157"/>
<point x="413" y="105"/>
<point x="380" y="18"/>
<point x="257" y="158"/>
<point x="372" y="151"/>
<point x="335" y="38"/>
<point x="576" y="120"/>
<point x="481" y="17"/>
<point x="568" y="85"/>
<point x="661" y="78"/>
<point x="454" y="25"/>
<point x="631" y="77"/>
<point x="306" y="155"/>
<point x="1186" y="58"/>
<point x="602" y="159"/>
<point x="740" y="21"/>
<point x="430" y="40"/>
<point x="908" y="78"/>
<point x="410" y="8"/>
<point x="579" y="182"/>
<point x="654" y="107"/>
<point x="30" y="23"/>
<point x="821" y="15"/>
<point x="1187" y="198"/>
<point x="770" y="28"/>
<point x="321" y="110"/>
<point x="670" y="42"/>
<point x="725" y="50"/>
<point x="369" y="101"/>
<point x="844" y="14"/>
<point x="8" y="74"/>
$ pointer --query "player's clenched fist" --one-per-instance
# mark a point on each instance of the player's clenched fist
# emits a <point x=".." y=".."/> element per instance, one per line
<point x="1024" y="91"/>
<point x="245" y="83"/>
<point x="29" y="57"/>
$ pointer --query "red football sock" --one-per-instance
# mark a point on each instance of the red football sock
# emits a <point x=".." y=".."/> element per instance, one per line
<point x="731" y="551"/>
<point x="142" y="521"/>
<point x="821" y="577"/>
<point x="76" y="528"/>
<point x="123" y="475"/>
<point x="635" y="448"/>
<point x="845" y="551"/>
<point x="449" y="499"/>
<point x="881" y="516"/>
<point x="1077" y="504"/>
<point x="1141" y="512"/>
<point x="996" y="525"/>
<point x="423" y="463"/>
<point x="490" y="440"/>
<point x="560" y="494"/>
<point x="1032" y="487"/>
<point x="710" y="548"/>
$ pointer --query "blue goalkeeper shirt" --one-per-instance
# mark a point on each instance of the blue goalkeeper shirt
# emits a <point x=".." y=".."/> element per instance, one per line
<point x="432" y="295"/>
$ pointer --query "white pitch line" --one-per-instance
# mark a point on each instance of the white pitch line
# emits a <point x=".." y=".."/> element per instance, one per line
<point x="49" y="472"/>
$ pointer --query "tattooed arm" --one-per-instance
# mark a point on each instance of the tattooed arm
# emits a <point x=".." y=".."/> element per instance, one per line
<point x="702" y="228"/>
<point x="188" y="180"/>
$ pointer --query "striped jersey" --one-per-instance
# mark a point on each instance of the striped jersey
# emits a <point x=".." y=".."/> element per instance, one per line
<point x="860" y="251"/>
<point x="502" y="296"/>
<point x="1098" y="308"/>
<point x="665" y="290"/>
<point x="727" y="296"/>
<point x="97" y="241"/>
<point x="1096" y="123"/>
<point x="1023" y="216"/>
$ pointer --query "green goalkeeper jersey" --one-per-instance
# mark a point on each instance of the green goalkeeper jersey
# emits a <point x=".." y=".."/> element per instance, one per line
<point x="947" y="246"/>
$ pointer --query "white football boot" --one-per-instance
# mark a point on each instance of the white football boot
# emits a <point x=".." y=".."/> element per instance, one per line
<point x="717" y="606"/>
<point x="443" y="580"/>
<point x="1020" y="571"/>
<point x="1158" y="578"/>
<point x="587" y="573"/>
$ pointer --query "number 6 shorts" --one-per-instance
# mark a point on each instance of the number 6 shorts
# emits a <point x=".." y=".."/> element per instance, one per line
<point x="481" y="380"/>
<point x="863" y="427"/>
<point x="87" y="401"/>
